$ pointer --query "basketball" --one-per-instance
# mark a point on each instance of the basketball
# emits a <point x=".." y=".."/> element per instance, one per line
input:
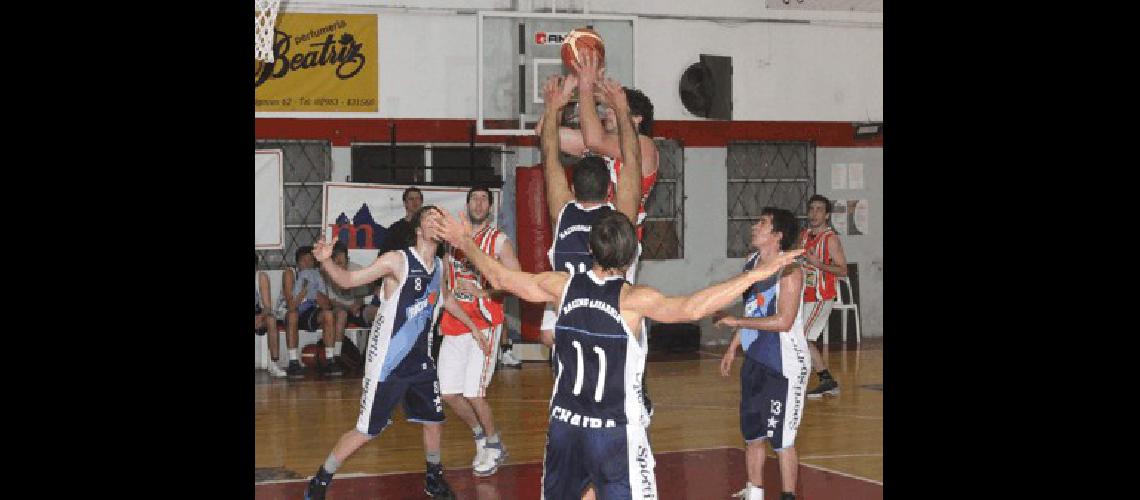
<point x="579" y="39"/>
<point x="311" y="354"/>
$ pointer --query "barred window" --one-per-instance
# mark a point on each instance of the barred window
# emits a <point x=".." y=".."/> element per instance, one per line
<point x="307" y="165"/>
<point x="451" y="165"/>
<point x="779" y="174"/>
<point x="664" y="225"/>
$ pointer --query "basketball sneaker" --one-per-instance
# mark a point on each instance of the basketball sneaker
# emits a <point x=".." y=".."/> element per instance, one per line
<point x="294" y="370"/>
<point x="493" y="457"/>
<point x="434" y="483"/>
<point x="508" y="359"/>
<point x="333" y="368"/>
<point x="750" y="492"/>
<point x="480" y="449"/>
<point x="826" y="386"/>
<point x="317" y="485"/>
<point x="275" y="369"/>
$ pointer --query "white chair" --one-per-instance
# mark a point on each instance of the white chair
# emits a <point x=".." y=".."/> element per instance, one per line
<point x="845" y="305"/>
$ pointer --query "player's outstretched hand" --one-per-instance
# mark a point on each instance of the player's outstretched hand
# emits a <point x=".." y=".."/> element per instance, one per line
<point x="614" y="94"/>
<point x="557" y="90"/>
<point x="772" y="267"/>
<point x="454" y="230"/>
<point x="589" y="70"/>
<point x="725" y="321"/>
<point x="321" y="250"/>
<point x="726" y="361"/>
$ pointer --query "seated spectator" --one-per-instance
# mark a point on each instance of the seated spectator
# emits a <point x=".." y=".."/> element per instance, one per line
<point x="307" y="307"/>
<point x="263" y="316"/>
<point x="347" y="304"/>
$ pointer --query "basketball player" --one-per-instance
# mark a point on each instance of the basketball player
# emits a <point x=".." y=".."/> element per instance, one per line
<point x="776" y="363"/>
<point x="305" y="300"/>
<point x="825" y="261"/>
<point x="263" y="321"/>
<point x="596" y="437"/>
<point x="573" y="211"/>
<point x="467" y="355"/>
<point x="398" y="367"/>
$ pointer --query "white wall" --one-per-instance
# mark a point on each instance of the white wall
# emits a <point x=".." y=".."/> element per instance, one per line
<point x="782" y="72"/>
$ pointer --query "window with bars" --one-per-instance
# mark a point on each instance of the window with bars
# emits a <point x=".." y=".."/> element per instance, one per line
<point x="770" y="173"/>
<point x="452" y="165"/>
<point x="307" y="165"/>
<point x="664" y="225"/>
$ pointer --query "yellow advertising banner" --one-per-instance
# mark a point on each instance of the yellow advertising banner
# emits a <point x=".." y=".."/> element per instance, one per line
<point x="322" y="63"/>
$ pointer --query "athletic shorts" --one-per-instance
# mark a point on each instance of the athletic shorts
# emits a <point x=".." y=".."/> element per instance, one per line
<point x="771" y="405"/>
<point x="463" y="368"/>
<point x="419" y="393"/>
<point x="309" y="319"/>
<point x="616" y="460"/>
<point x="815" y="316"/>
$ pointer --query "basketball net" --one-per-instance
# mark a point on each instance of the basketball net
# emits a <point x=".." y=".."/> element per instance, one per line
<point x="263" y="32"/>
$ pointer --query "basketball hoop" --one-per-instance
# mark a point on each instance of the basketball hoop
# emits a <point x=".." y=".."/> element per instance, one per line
<point x="263" y="31"/>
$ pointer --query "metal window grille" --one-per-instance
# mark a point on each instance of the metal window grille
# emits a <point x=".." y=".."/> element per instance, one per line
<point x="664" y="225"/>
<point x="308" y="164"/>
<point x="780" y="174"/>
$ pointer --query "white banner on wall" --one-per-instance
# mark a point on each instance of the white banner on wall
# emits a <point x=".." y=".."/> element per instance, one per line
<point x="361" y="213"/>
<point x="268" y="191"/>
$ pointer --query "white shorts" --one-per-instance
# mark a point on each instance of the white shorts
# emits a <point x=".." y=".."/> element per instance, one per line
<point x="814" y="315"/>
<point x="462" y="366"/>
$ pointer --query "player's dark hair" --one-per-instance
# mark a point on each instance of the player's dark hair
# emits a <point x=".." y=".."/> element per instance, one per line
<point x="301" y="252"/>
<point x="485" y="189"/>
<point x="613" y="241"/>
<point x="639" y="105"/>
<point x="783" y="221"/>
<point x="591" y="179"/>
<point x="404" y="196"/>
<point x="817" y="197"/>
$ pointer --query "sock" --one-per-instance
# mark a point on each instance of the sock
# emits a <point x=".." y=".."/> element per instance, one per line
<point x="478" y="432"/>
<point x="336" y="347"/>
<point x="330" y="353"/>
<point x="293" y="355"/>
<point x="493" y="441"/>
<point x="331" y="464"/>
<point x="433" y="457"/>
<point x="824" y="374"/>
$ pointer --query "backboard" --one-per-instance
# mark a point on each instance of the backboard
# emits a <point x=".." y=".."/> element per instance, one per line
<point x="518" y="51"/>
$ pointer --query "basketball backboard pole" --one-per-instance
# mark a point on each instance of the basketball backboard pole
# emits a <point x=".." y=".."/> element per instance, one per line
<point x="523" y="63"/>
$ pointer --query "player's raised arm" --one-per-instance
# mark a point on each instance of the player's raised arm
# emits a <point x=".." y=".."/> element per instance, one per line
<point x="556" y="93"/>
<point x="382" y="266"/>
<point x="590" y="73"/>
<point x="542" y="287"/>
<point x="658" y="307"/>
<point x="627" y="192"/>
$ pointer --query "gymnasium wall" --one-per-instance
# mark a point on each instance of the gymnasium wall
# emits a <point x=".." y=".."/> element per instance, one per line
<point x="827" y="71"/>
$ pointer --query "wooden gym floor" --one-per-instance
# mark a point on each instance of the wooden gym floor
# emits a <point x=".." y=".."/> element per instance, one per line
<point x="695" y="434"/>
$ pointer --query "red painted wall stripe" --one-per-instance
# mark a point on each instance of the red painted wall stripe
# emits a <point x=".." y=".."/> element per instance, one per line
<point x="691" y="133"/>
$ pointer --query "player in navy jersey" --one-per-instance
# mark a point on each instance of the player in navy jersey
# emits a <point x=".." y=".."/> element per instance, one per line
<point x="776" y="359"/>
<point x="398" y="366"/>
<point x="596" y="438"/>
<point x="573" y="210"/>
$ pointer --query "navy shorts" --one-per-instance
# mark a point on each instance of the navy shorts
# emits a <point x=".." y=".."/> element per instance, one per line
<point x="616" y="460"/>
<point x="418" y="392"/>
<point x="309" y="319"/>
<point x="768" y="409"/>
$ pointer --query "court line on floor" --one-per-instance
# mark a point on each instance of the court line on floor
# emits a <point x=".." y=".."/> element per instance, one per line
<point x="344" y="475"/>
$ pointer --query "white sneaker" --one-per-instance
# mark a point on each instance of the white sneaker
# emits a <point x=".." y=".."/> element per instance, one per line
<point x="275" y="370"/>
<point x="492" y="459"/>
<point x="750" y="492"/>
<point x="507" y="358"/>
<point x="480" y="450"/>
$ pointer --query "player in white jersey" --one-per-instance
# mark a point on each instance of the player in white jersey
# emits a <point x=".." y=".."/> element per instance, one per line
<point x="398" y="367"/>
<point x="596" y="436"/>
<point x="776" y="363"/>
